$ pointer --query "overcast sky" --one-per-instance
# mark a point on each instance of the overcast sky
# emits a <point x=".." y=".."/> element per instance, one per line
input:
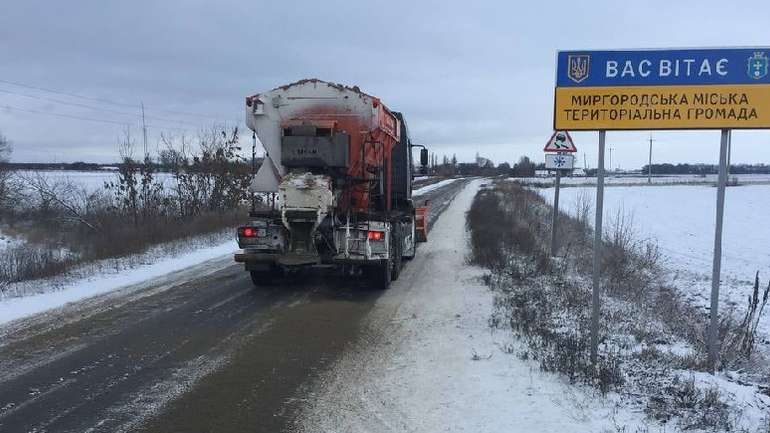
<point x="470" y="76"/>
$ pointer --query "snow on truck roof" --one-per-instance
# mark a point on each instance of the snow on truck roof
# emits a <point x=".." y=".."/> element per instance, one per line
<point x="328" y="83"/>
<point x="340" y="87"/>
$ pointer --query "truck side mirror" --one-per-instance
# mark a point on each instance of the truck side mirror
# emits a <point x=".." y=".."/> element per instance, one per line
<point x="423" y="157"/>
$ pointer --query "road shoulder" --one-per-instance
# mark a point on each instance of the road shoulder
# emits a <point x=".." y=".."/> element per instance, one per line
<point x="428" y="361"/>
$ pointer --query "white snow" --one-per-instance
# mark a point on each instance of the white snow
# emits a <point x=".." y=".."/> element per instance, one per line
<point x="414" y="368"/>
<point x="53" y="295"/>
<point x="433" y="186"/>
<point x="8" y="241"/>
<point x="749" y="399"/>
<point x="681" y="219"/>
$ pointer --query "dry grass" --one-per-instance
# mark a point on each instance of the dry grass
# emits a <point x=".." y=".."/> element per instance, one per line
<point x="696" y="408"/>
<point x="51" y="254"/>
<point x="548" y="312"/>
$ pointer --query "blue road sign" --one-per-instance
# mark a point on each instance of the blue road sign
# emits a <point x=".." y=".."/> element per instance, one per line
<point x="663" y="67"/>
<point x="663" y="89"/>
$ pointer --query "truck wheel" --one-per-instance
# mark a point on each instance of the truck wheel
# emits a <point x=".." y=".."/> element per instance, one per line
<point x="263" y="278"/>
<point x="379" y="275"/>
<point x="395" y="249"/>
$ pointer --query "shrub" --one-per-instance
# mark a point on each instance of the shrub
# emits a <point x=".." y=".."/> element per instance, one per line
<point x="131" y="213"/>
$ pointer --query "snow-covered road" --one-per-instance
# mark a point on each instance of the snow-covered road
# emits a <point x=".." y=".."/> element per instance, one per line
<point x="427" y="361"/>
<point x="198" y="349"/>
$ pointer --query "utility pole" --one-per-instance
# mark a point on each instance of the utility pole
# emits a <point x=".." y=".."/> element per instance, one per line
<point x="610" y="164"/>
<point x="649" y="164"/>
<point x="144" y="131"/>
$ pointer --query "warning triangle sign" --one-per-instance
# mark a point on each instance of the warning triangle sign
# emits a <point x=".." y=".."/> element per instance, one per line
<point x="560" y="141"/>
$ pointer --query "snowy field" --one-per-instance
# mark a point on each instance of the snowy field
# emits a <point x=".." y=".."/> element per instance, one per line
<point x="90" y="180"/>
<point x="641" y="180"/>
<point x="681" y="219"/>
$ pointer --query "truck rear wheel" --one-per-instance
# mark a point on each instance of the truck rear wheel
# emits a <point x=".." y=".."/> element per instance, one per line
<point x="261" y="278"/>
<point x="264" y="278"/>
<point x="380" y="275"/>
<point x="396" y="246"/>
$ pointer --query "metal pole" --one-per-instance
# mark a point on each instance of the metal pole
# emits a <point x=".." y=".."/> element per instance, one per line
<point x="717" y="268"/>
<point x="649" y="164"/>
<point x="729" y="153"/>
<point x="555" y="213"/>
<point x="597" y="262"/>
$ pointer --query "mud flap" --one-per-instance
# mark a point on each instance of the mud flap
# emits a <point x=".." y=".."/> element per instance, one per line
<point x="421" y="224"/>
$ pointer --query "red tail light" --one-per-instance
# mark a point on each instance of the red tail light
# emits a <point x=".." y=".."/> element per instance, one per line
<point x="247" y="232"/>
<point x="376" y="236"/>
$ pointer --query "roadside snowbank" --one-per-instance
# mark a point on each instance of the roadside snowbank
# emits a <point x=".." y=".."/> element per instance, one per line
<point x="428" y="360"/>
<point x="431" y="187"/>
<point x="108" y="275"/>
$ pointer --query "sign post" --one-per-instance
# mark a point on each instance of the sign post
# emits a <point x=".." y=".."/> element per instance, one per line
<point x="555" y="217"/>
<point x="713" y="343"/>
<point x="597" y="259"/>
<point x="649" y="164"/>
<point x="702" y="88"/>
<point x="562" y="143"/>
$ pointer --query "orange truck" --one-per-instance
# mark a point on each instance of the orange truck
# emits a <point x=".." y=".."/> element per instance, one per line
<point x="338" y="169"/>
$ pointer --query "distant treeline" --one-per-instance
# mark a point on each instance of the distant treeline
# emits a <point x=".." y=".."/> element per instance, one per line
<point x="524" y="168"/>
<point x="704" y="169"/>
<point x="79" y="166"/>
<point x="159" y="165"/>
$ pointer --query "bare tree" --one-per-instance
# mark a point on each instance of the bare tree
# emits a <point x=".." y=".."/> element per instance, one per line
<point x="62" y="200"/>
<point x="125" y="190"/>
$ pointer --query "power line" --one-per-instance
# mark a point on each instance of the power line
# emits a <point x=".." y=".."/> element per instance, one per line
<point x="70" y="116"/>
<point x="102" y="100"/>
<point x="91" y="107"/>
<point x="25" y="110"/>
